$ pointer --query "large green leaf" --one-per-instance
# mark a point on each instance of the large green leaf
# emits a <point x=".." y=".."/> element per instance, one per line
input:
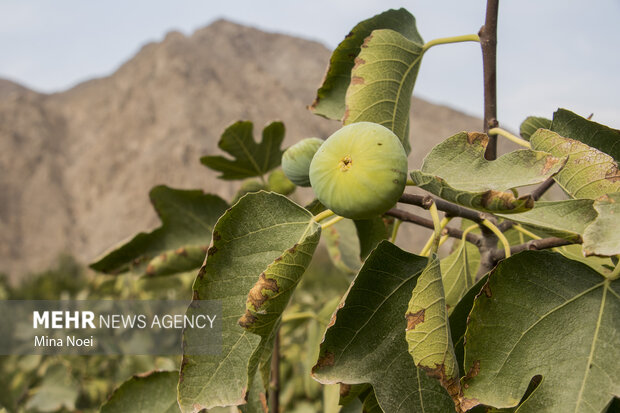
<point x="382" y="82"/>
<point x="572" y="126"/>
<point x="532" y="124"/>
<point x="588" y="173"/>
<point x="250" y="158"/>
<point x="602" y="237"/>
<point x="544" y="314"/>
<point x="564" y="219"/>
<point x="457" y="171"/>
<point x="330" y="97"/>
<point x="365" y="342"/>
<point x="153" y="393"/>
<point x="260" y="249"/>
<point x="180" y="243"/>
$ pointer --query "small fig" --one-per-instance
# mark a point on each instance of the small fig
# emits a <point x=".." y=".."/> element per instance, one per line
<point x="360" y="171"/>
<point x="249" y="185"/>
<point x="278" y="182"/>
<point x="296" y="160"/>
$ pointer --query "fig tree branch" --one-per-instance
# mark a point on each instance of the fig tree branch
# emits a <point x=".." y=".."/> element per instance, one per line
<point x="488" y="42"/>
<point x="453" y="210"/>
<point x="427" y="223"/>
<point x="536" y="244"/>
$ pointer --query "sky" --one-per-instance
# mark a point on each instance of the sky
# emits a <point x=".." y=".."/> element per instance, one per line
<point x="551" y="53"/>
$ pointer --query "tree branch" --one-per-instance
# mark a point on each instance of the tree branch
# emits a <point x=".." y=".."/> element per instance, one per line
<point x="540" y="191"/>
<point x="453" y="210"/>
<point x="536" y="244"/>
<point x="488" y="42"/>
<point x="423" y="222"/>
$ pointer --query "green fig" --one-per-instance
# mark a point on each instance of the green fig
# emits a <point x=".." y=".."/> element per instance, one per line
<point x="360" y="171"/>
<point x="296" y="160"/>
<point x="278" y="182"/>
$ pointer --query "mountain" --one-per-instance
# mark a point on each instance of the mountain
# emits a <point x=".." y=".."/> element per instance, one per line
<point x="76" y="166"/>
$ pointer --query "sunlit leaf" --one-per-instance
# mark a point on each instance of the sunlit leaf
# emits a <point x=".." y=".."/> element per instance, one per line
<point x="457" y="171"/>
<point x="330" y="100"/>
<point x="459" y="272"/>
<point x="543" y="314"/>
<point x="260" y="249"/>
<point x="382" y="82"/>
<point x="179" y="245"/>
<point x="249" y="158"/>
<point x="588" y="173"/>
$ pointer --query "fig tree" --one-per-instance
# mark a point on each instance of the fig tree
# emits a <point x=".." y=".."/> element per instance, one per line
<point x="360" y="171"/>
<point x="296" y="160"/>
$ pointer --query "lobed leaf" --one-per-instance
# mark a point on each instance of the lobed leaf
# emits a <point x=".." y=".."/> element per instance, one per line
<point x="531" y="124"/>
<point x="543" y="314"/>
<point x="178" y="245"/>
<point x="602" y="236"/>
<point x="250" y="159"/>
<point x="263" y="245"/>
<point x="572" y="126"/>
<point x="154" y="393"/>
<point x="382" y="82"/>
<point x="588" y="173"/>
<point x="456" y="170"/>
<point x="330" y="99"/>
<point x="365" y="340"/>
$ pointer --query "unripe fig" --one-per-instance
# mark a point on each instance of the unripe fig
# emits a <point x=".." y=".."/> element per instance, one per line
<point x="360" y="171"/>
<point x="249" y="185"/>
<point x="296" y="160"/>
<point x="278" y="182"/>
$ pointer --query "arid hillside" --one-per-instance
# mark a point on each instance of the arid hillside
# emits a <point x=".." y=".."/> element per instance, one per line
<point x="76" y="166"/>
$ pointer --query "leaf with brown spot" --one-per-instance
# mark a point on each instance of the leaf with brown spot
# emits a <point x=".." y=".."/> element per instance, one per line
<point x="457" y="171"/>
<point x="587" y="172"/>
<point x="254" y="286"/>
<point x="367" y="341"/>
<point x="177" y="245"/>
<point x="330" y="99"/>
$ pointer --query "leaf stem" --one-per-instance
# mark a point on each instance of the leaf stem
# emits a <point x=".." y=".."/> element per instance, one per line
<point x="499" y="235"/>
<point x="397" y="223"/>
<point x="410" y="182"/>
<point x="504" y="133"/>
<point x="449" y="40"/>
<point x="331" y="222"/>
<point x="525" y="231"/>
<point x="322" y="215"/>
<point x="615" y="274"/>
<point x="433" y="242"/>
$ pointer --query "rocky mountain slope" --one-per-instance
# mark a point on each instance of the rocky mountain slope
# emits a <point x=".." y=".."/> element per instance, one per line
<point x="76" y="166"/>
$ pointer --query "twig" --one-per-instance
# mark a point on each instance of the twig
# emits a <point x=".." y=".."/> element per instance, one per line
<point x="509" y="136"/>
<point x="488" y="42"/>
<point x="427" y="223"/>
<point x="536" y="244"/>
<point x="538" y="192"/>
<point x="452" y="210"/>
<point x="274" y="383"/>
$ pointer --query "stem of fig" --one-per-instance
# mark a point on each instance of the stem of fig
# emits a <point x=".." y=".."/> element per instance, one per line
<point x="325" y="214"/>
<point x="397" y="223"/>
<point x="410" y="182"/>
<point x="499" y="235"/>
<point x="504" y="133"/>
<point x="331" y="222"/>
<point x="448" y="40"/>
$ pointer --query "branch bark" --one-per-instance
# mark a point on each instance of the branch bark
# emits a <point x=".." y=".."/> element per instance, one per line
<point x="544" y="187"/>
<point x="488" y="42"/>
<point x="423" y="222"/>
<point x="453" y="210"/>
<point x="537" y="244"/>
